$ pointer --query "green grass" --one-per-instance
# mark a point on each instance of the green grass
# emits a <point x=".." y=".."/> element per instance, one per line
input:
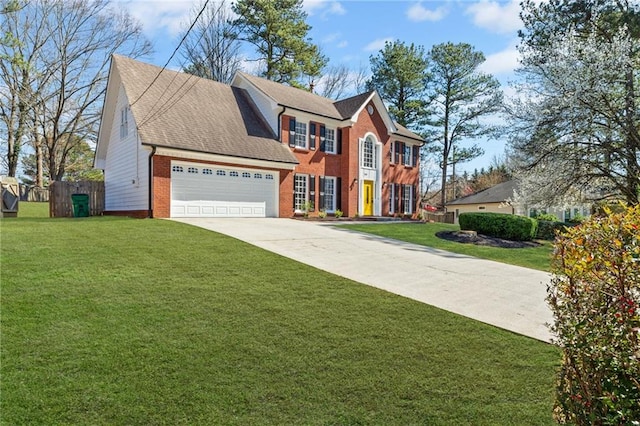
<point x="32" y="209"/>
<point x="425" y="234"/>
<point x="121" y="321"/>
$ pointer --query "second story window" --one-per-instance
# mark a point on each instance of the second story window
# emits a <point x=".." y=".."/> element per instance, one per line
<point x="330" y="141"/>
<point x="367" y="154"/>
<point x="300" y="139"/>
<point x="406" y="156"/>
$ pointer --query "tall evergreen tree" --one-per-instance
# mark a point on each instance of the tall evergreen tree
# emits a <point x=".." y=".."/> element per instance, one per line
<point x="278" y="30"/>
<point x="460" y="97"/>
<point x="399" y="74"/>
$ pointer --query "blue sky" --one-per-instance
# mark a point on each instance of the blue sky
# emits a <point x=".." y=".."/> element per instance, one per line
<point x="350" y="31"/>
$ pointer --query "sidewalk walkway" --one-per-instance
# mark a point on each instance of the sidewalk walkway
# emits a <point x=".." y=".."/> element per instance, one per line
<point x="505" y="296"/>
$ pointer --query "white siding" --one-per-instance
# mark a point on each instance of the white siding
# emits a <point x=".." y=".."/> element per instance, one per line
<point x="126" y="173"/>
<point x="266" y="106"/>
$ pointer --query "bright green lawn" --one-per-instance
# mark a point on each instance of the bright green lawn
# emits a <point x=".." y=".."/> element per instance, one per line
<point x="32" y="210"/>
<point x="136" y="322"/>
<point x="425" y="234"/>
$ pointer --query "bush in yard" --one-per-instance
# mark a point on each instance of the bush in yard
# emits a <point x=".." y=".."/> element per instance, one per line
<point x="547" y="230"/>
<point x="507" y="226"/>
<point x="547" y="216"/>
<point x="595" y="298"/>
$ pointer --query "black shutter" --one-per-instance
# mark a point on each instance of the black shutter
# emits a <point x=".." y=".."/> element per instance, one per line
<point x="391" y="152"/>
<point x="339" y="141"/>
<point x="398" y="195"/>
<point x="398" y="147"/>
<point x="416" y="150"/>
<point x="321" y="200"/>
<point x="312" y="192"/>
<point x="338" y="193"/>
<point x="312" y="135"/>
<point x="292" y="132"/>
<point x="294" y="192"/>
<point x="323" y="135"/>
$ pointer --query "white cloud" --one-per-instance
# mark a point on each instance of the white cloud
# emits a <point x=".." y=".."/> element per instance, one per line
<point x="331" y="37"/>
<point x="503" y="62"/>
<point x="323" y="7"/>
<point x="419" y="13"/>
<point x="377" y="44"/>
<point x="171" y="15"/>
<point x="497" y="17"/>
<point x="335" y="39"/>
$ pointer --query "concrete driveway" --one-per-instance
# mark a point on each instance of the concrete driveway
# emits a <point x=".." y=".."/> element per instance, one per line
<point x="509" y="297"/>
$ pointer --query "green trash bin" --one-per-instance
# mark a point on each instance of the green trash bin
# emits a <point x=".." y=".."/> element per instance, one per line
<point x="80" y="205"/>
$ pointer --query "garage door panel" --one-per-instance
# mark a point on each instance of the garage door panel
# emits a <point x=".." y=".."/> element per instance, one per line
<point x="222" y="192"/>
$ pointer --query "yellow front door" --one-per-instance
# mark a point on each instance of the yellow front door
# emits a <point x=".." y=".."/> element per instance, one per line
<point x="367" y="200"/>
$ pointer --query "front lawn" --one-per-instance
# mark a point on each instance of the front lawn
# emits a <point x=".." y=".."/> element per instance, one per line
<point x="424" y="234"/>
<point x="122" y="321"/>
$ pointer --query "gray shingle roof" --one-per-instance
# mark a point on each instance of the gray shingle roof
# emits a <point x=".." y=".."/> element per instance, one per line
<point x="187" y="112"/>
<point x="295" y="98"/>
<point x="310" y="102"/>
<point x="349" y="106"/>
<point x="496" y="194"/>
<point x="403" y="131"/>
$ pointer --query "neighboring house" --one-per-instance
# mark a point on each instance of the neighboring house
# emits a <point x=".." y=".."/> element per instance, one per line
<point x="498" y="199"/>
<point x="175" y="145"/>
<point x="493" y="200"/>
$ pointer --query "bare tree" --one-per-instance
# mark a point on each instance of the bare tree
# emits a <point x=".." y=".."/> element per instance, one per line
<point x="339" y="82"/>
<point x="57" y="87"/>
<point x="20" y="51"/>
<point x="212" y="49"/>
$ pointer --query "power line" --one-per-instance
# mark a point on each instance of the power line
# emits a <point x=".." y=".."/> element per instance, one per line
<point x="206" y="3"/>
<point x="173" y="99"/>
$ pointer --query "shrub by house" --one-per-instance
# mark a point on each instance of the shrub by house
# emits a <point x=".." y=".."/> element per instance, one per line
<point x="510" y="227"/>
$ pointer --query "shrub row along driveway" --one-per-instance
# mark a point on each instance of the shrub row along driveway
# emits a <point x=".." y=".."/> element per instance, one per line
<point x="506" y="296"/>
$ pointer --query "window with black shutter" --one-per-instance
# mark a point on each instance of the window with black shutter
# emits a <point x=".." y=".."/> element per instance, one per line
<point x="321" y="201"/>
<point x="312" y="192"/>
<point x="323" y="136"/>
<point x="312" y="135"/>
<point x="397" y="192"/>
<point x="292" y="132"/>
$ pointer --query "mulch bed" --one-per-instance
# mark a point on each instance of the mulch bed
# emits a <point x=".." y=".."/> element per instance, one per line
<point x="483" y="240"/>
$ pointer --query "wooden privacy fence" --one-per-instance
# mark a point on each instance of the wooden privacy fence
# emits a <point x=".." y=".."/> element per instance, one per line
<point x="33" y="193"/>
<point x="61" y="205"/>
<point x="438" y="217"/>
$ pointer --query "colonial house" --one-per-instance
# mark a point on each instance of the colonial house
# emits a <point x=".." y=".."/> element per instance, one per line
<point x="175" y="145"/>
<point x="499" y="199"/>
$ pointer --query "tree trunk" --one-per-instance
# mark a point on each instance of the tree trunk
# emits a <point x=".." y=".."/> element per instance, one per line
<point x="39" y="168"/>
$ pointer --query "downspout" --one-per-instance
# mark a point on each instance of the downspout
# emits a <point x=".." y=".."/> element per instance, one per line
<point x="280" y="123"/>
<point x="153" y="151"/>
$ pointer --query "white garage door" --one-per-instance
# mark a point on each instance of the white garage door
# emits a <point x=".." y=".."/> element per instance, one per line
<point x="199" y="190"/>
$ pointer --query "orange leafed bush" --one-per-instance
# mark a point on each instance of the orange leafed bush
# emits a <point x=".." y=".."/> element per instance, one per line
<point x="595" y="299"/>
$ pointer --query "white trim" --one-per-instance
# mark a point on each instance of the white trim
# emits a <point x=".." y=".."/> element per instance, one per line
<point x="231" y="161"/>
<point x="373" y="174"/>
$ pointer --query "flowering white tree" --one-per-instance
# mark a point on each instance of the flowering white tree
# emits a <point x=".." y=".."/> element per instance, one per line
<point x="575" y="130"/>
